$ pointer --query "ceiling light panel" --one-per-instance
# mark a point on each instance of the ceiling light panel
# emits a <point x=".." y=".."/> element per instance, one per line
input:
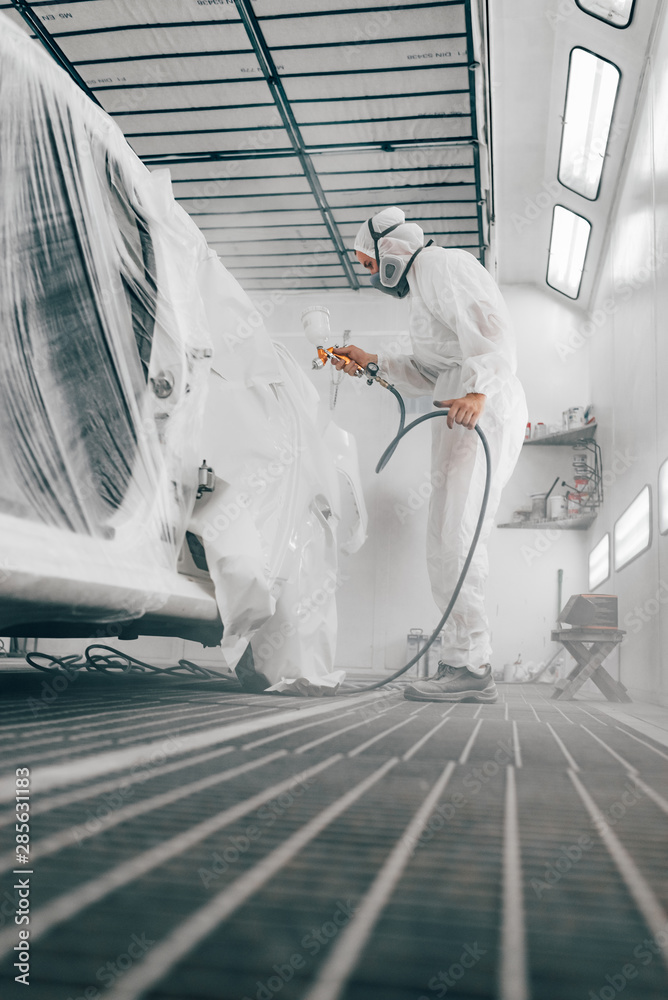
<point x="568" y="250"/>
<point x="590" y="100"/>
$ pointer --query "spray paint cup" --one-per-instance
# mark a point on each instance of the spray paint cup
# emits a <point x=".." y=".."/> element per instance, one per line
<point x="315" y="321"/>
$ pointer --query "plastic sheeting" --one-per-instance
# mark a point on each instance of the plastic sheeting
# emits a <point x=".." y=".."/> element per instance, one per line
<point x="129" y="355"/>
<point x="105" y="349"/>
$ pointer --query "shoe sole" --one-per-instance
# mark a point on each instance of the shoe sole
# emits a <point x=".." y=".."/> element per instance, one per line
<point x="484" y="696"/>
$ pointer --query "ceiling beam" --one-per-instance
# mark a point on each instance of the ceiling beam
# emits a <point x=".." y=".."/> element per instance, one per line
<point x="264" y="57"/>
<point x="49" y="43"/>
<point x="153" y="159"/>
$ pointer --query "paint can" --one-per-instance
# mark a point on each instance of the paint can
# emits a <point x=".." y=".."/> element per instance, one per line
<point x="574" y="418"/>
<point x="556" y="507"/>
<point x="538" y="506"/>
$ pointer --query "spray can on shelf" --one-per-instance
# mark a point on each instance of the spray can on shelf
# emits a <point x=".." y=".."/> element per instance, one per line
<point x="573" y="418"/>
<point x="556" y="507"/>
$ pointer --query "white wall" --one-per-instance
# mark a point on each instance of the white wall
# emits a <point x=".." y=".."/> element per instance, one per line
<point x="386" y="591"/>
<point x="522" y="594"/>
<point x="628" y="348"/>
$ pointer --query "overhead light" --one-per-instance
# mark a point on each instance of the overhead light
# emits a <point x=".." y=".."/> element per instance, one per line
<point x="590" y="99"/>
<point x="568" y="249"/>
<point x="615" y="12"/>
<point x="599" y="562"/>
<point x="663" y="498"/>
<point x="633" y="530"/>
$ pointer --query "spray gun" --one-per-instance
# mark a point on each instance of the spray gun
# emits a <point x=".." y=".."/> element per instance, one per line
<point x="315" y="321"/>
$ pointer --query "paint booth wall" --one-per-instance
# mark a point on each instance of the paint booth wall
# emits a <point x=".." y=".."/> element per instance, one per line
<point x="522" y="596"/>
<point x="383" y="589"/>
<point x="625" y="335"/>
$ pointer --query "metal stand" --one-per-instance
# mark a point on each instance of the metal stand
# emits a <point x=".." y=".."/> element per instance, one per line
<point x="593" y="494"/>
<point x="589" y="647"/>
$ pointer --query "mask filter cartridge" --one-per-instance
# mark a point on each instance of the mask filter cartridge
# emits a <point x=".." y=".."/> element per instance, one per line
<point x="394" y="291"/>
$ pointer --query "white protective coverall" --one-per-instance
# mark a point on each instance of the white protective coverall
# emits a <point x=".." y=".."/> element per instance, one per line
<point x="462" y="341"/>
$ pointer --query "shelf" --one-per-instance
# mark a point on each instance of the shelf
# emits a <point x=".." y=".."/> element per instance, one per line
<point x="579" y="523"/>
<point x="580" y="434"/>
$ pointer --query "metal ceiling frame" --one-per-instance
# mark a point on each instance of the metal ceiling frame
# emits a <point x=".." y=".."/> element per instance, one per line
<point x="221" y="156"/>
<point x="473" y="65"/>
<point x="270" y="128"/>
<point x="299" y="149"/>
<point x="266" y="62"/>
<point x="47" y="40"/>
<point x="295" y="100"/>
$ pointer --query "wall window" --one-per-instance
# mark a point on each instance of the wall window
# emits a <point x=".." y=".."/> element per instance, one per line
<point x="663" y="498"/>
<point x="590" y="100"/>
<point x="618" y="13"/>
<point x="633" y="530"/>
<point x="599" y="563"/>
<point x="568" y="249"/>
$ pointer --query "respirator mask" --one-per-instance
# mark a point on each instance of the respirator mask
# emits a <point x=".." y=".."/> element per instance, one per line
<point x="392" y="274"/>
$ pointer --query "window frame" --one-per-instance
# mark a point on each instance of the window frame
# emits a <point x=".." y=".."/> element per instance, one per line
<point x="571" y="298"/>
<point x="618" y="27"/>
<point x="591" y="52"/>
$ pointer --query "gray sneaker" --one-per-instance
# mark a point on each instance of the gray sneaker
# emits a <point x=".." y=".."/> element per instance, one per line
<point x="454" y="684"/>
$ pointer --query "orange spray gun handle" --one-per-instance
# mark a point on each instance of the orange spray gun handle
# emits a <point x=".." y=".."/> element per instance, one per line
<point x="332" y="354"/>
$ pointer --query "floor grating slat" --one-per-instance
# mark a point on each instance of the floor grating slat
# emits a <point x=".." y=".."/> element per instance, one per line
<point x="195" y="844"/>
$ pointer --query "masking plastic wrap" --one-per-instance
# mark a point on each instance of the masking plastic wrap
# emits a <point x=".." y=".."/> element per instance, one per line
<point x="129" y="355"/>
<point x="104" y="351"/>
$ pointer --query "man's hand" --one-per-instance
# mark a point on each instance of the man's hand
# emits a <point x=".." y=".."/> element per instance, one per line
<point x="465" y="411"/>
<point x="358" y="359"/>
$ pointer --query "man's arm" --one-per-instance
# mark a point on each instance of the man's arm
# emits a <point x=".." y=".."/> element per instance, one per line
<point x="402" y="371"/>
<point x="464" y="296"/>
<point x="465" y="411"/>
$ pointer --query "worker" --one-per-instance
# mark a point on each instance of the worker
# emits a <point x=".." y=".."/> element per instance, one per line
<point x="463" y="354"/>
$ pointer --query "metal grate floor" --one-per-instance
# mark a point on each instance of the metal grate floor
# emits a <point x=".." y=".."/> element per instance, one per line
<point x="190" y="843"/>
